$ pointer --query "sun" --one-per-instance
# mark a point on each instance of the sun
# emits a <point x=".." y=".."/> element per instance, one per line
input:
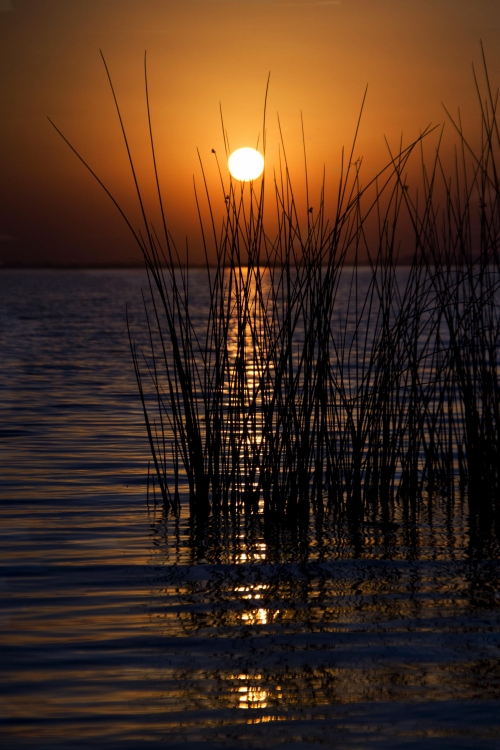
<point x="246" y="164"/>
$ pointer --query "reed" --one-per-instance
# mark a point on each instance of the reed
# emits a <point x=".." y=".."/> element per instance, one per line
<point x="288" y="403"/>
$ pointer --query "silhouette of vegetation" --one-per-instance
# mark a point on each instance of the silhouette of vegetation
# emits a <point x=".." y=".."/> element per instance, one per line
<point x="328" y="380"/>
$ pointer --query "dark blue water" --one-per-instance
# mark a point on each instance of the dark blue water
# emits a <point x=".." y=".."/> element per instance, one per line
<point x="114" y="635"/>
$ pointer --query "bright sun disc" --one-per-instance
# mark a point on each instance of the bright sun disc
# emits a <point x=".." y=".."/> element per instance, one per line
<point x="246" y="164"/>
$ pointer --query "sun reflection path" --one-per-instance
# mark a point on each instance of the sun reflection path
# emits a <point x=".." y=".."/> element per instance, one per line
<point x="257" y="554"/>
<point x="254" y="592"/>
<point x="251" y="695"/>
<point x="259" y="615"/>
<point x="248" y="385"/>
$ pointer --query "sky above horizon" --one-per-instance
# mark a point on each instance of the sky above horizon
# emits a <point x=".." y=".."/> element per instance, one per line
<point x="202" y="55"/>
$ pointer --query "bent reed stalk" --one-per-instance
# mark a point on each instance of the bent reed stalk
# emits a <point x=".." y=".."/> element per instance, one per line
<point x="296" y="399"/>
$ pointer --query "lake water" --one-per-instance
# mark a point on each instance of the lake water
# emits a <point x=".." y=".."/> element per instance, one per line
<point x="116" y="632"/>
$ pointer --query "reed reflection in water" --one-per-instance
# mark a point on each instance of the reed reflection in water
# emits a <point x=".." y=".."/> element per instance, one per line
<point x="120" y="627"/>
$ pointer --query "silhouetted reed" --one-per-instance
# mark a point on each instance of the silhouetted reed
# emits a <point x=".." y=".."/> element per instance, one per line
<point x="327" y="379"/>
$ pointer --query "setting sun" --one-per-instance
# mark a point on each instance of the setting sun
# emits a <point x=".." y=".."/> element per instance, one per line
<point x="246" y="164"/>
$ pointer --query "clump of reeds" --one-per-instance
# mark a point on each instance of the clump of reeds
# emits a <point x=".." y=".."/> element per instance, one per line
<point x="286" y="402"/>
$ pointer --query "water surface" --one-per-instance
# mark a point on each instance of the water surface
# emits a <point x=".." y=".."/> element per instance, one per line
<point x="118" y="631"/>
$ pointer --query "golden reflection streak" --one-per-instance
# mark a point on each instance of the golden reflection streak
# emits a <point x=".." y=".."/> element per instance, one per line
<point x="251" y="696"/>
<point x="259" y="615"/>
<point x="249" y="360"/>
<point x="256" y="555"/>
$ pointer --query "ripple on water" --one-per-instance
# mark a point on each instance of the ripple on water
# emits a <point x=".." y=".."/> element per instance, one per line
<point x="116" y="632"/>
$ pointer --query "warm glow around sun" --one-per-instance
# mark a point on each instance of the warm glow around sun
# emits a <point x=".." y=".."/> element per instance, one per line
<point x="246" y="164"/>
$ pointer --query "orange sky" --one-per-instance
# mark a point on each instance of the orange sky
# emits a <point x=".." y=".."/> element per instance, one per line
<point x="413" y="54"/>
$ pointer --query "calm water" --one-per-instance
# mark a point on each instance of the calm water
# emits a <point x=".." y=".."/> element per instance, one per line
<point x="114" y="634"/>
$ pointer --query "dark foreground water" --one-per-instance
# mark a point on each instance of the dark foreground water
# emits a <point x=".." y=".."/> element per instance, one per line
<point x="114" y="635"/>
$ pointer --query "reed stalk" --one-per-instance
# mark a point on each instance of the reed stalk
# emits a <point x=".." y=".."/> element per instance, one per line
<point x="291" y="401"/>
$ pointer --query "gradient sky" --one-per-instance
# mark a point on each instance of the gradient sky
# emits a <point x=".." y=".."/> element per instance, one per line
<point x="413" y="54"/>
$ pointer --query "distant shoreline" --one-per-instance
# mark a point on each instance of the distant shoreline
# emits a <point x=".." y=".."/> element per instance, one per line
<point x="9" y="266"/>
<point x="134" y="266"/>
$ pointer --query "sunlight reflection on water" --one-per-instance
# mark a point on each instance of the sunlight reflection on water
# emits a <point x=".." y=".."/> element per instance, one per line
<point x="116" y="631"/>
